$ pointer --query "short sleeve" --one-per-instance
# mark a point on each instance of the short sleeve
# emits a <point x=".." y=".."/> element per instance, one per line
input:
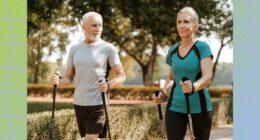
<point x="113" y="58"/>
<point x="70" y="57"/>
<point x="205" y="51"/>
<point x="168" y="58"/>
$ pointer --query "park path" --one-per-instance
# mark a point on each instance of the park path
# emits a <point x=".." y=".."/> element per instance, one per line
<point x="224" y="132"/>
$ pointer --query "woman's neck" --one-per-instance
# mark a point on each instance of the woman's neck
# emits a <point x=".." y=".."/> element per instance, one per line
<point x="187" y="42"/>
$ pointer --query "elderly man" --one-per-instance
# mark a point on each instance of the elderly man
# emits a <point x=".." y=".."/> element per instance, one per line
<point x="87" y="64"/>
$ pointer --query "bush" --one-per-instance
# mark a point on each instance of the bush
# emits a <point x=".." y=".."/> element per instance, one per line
<point x="41" y="127"/>
<point x="121" y="93"/>
<point x="43" y="90"/>
<point x="34" y="107"/>
<point x="140" y="122"/>
<point x="126" y="122"/>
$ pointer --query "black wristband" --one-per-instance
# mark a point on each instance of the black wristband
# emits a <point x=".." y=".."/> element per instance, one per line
<point x="164" y="95"/>
<point x="107" y="87"/>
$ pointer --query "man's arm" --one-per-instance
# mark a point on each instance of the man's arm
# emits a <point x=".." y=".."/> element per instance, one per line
<point x="119" y="76"/>
<point x="68" y="77"/>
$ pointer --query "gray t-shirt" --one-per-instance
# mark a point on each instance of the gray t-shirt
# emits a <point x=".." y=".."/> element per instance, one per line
<point x="86" y="58"/>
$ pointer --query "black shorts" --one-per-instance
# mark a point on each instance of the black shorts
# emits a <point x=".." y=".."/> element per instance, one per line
<point x="90" y="119"/>
<point x="176" y="124"/>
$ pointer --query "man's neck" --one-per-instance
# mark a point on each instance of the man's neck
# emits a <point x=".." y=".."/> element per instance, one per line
<point x="95" y="42"/>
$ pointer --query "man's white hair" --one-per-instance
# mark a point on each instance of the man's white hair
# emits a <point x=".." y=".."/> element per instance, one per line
<point x="86" y="16"/>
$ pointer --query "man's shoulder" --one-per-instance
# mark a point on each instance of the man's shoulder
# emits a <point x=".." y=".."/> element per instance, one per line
<point x="106" y="43"/>
<point x="109" y="46"/>
<point x="76" y="46"/>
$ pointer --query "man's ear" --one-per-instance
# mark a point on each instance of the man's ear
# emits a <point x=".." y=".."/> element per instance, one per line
<point x="82" y="27"/>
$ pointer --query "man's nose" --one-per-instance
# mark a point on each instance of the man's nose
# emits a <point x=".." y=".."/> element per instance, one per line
<point x="98" y="28"/>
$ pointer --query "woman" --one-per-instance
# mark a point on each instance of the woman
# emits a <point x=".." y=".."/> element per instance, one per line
<point x="189" y="75"/>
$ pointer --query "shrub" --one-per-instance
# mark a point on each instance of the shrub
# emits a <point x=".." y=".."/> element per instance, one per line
<point x="135" y="122"/>
<point x="126" y="122"/>
<point x="41" y="127"/>
<point x="121" y="93"/>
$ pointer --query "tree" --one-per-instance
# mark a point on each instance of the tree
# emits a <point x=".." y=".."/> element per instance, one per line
<point x="46" y="19"/>
<point x="140" y="27"/>
<point x="221" y="24"/>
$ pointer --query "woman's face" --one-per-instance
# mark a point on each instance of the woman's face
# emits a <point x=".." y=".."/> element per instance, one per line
<point x="185" y="26"/>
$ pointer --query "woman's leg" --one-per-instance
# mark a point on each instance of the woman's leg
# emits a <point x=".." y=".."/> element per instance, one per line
<point x="176" y="125"/>
<point x="202" y="125"/>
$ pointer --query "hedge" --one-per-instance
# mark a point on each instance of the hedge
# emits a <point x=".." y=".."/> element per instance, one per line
<point x="127" y="122"/>
<point x="123" y="93"/>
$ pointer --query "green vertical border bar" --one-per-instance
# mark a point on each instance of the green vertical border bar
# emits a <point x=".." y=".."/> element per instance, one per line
<point x="13" y="65"/>
<point x="246" y="69"/>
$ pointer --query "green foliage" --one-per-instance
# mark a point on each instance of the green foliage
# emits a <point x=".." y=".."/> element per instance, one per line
<point x="40" y="126"/>
<point x="140" y="32"/>
<point x="222" y="111"/>
<point x="36" y="107"/>
<point x="126" y="122"/>
<point x="44" y="90"/>
<point x="120" y="93"/>
<point x="47" y="34"/>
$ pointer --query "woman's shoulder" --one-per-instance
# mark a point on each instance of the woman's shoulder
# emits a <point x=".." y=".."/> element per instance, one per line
<point x="202" y="44"/>
<point x="174" y="46"/>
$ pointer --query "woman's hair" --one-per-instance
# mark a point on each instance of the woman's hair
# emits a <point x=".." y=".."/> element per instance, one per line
<point x="192" y="12"/>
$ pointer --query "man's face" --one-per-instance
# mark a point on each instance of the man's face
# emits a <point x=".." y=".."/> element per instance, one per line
<point x="93" y="29"/>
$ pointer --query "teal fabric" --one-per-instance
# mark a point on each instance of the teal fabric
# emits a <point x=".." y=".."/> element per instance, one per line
<point x="188" y="66"/>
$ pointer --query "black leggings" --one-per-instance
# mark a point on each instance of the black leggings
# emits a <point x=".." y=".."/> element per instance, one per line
<point x="176" y="125"/>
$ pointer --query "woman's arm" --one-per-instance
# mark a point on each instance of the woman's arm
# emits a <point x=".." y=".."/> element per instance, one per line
<point x="207" y="71"/>
<point x="169" y="82"/>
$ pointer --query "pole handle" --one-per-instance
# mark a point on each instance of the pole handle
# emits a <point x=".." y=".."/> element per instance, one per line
<point x="159" y="105"/>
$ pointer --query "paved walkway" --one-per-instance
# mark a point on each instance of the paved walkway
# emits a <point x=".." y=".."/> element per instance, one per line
<point x="220" y="133"/>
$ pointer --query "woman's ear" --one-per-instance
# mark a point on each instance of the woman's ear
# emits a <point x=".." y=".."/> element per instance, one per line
<point x="195" y="28"/>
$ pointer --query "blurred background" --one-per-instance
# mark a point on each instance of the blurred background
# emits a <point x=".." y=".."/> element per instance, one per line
<point x="142" y="31"/>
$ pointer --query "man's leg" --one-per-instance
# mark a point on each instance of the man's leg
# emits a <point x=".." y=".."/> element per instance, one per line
<point x="91" y="137"/>
<point x="91" y="120"/>
<point x="95" y="122"/>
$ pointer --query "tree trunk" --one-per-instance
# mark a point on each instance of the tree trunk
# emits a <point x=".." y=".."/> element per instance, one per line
<point x="147" y="75"/>
<point x="36" y="73"/>
<point x="38" y="59"/>
<point x="148" y="69"/>
<point x="216" y="63"/>
<point x="218" y="55"/>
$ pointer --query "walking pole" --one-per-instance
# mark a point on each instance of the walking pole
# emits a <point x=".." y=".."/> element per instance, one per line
<point x="100" y="73"/>
<point x="160" y="114"/>
<point x="192" y="136"/>
<point x="55" y="89"/>
<point x="106" y="114"/>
